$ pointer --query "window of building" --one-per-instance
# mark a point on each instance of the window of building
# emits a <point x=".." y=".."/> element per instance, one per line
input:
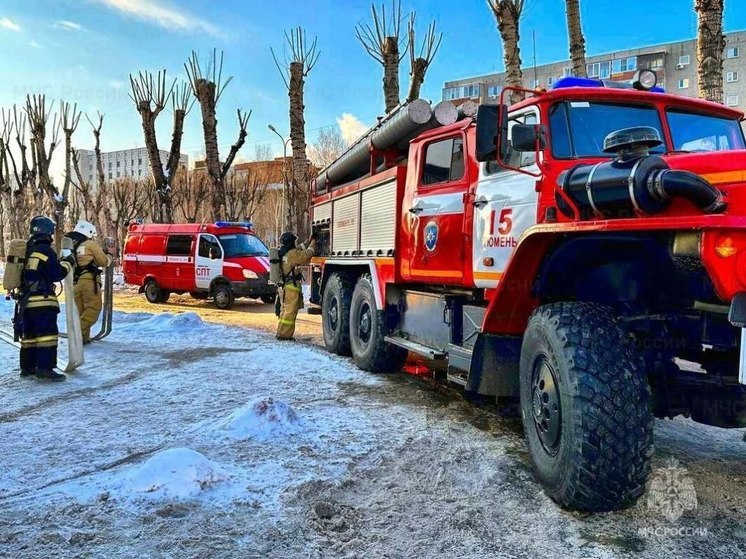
<point x="534" y="84"/>
<point x="494" y="90"/>
<point x="139" y="161"/>
<point x="179" y="245"/>
<point x="732" y="52"/>
<point x="605" y="70"/>
<point x="109" y="164"/>
<point x="471" y="90"/>
<point x="550" y="81"/>
<point x="685" y="60"/>
<point x="620" y="65"/>
<point x="444" y="161"/>
<point x="683" y="83"/>
<point x="593" y="69"/>
<point x="731" y="77"/>
<point x="731" y="100"/>
<point x="656" y="63"/>
<point x="110" y="175"/>
<point x="118" y="162"/>
<point x="119" y="174"/>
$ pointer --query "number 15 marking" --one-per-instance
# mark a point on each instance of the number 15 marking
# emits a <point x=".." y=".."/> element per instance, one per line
<point x="505" y="223"/>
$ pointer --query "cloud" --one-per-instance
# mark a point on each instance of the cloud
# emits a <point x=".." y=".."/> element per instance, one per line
<point x="350" y="127"/>
<point x="157" y="13"/>
<point x="68" y="25"/>
<point x="34" y="44"/>
<point x="116" y="84"/>
<point x="6" y="23"/>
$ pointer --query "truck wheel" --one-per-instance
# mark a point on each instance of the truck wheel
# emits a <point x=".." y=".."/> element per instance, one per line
<point x="585" y="403"/>
<point x="370" y="351"/>
<point x="153" y="292"/>
<point x="335" y="311"/>
<point x="268" y="299"/>
<point x="223" y="296"/>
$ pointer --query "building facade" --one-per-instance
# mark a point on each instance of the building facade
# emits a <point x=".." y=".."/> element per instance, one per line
<point x="675" y="64"/>
<point x="126" y="163"/>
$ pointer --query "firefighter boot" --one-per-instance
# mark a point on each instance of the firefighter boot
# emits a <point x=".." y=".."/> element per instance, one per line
<point x="50" y="375"/>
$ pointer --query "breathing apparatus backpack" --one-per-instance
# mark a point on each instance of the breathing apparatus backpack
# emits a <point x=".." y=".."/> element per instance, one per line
<point x="14" y="264"/>
<point x="275" y="266"/>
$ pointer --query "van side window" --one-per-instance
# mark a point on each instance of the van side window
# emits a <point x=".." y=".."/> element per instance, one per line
<point x="179" y="245"/>
<point x="206" y="243"/>
<point x="444" y="161"/>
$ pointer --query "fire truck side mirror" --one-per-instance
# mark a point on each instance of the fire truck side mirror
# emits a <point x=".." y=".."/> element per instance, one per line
<point x="527" y="137"/>
<point x="492" y="132"/>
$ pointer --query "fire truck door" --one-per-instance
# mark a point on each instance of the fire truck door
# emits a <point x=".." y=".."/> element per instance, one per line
<point x="209" y="260"/>
<point x="506" y="205"/>
<point x="436" y="218"/>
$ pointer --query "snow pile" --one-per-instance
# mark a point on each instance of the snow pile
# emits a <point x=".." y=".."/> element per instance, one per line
<point x="176" y="473"/>
<point x="168" y="322"/>
<point x="264" y="417"/>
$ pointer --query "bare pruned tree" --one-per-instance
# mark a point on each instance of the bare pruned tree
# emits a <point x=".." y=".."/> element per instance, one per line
<point x="38" y="118"/>
<point x="19" y="203"/>
<point x="150" y="93"/>
<point x="6" y="185"/>
<point x="508" y="15"/>
<point x="245" y="191"/>
<point x="129" y="201"/>
<point x="208" y="87"/>
<point x="191" y="191"/>
<point x="262" y="152"/>
<point x="420" y="60"/>
<point x="327" y="148"/>
<point x="70" y="120"/>
<point x="383" y="41"/>
<point x="300" y="57"/>
<point x="710" y="47"/>
<point x="576" y="38"/>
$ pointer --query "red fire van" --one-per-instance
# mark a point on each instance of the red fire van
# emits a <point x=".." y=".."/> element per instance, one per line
<point x="222" y="260"/>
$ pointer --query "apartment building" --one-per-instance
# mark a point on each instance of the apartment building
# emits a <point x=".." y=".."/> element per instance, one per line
<point x="132" y="163"/>
<point x="675" y="64"/>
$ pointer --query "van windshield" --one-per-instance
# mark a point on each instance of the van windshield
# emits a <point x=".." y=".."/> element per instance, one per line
<point x="237" y="246"/>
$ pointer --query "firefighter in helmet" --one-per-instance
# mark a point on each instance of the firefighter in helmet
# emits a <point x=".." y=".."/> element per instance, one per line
<point x="37" y="306"/>
<point x="90" y="259"/>
<point x="290" y="293"/>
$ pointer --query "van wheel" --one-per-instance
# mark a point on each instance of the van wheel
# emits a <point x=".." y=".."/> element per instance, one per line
<point x="223" y="296"/>
<point x="268" y="299"/>
<point x="370" y="351"/>
<point x="335" y="311"/>
<point x="585" y="407"/>
<point x="153" y="292"/>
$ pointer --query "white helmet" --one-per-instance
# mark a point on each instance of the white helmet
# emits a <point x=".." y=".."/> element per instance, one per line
<point x="86" y="229"/>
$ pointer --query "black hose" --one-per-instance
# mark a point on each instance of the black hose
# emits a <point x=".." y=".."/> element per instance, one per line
<point x="684" y="184"/>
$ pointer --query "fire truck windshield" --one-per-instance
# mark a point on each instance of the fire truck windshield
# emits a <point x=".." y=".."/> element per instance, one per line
<point x="697" y="132"/>
<point x="243" y="245"/>
<point x="579" y="127"/>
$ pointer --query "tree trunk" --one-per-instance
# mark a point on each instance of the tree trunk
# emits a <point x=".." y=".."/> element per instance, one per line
<point x="205" y="93"/>
<point x="390" y="73"/>
<point x="710" y="47"/>
<point x="576" y="38"/>
<point x="164" y="212"/>
<point x="300" y="178"/>
<point x="417" y="78"/>
<point x="508" y="17"/>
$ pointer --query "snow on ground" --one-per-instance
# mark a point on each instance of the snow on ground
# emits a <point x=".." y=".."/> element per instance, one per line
<point x="184" y="439"/>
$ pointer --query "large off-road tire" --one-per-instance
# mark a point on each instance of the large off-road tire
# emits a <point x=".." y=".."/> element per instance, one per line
<point x="585" y="403"/>
<point x="222" y="296"/>
<point x="368" y="330"/>
<point x="153" y="292"/>
<point x="335" y="314"/>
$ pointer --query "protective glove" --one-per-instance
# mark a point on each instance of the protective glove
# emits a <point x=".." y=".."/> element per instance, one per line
<point x="68" y="256"/>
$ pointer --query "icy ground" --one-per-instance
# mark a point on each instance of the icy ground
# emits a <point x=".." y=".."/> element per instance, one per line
<point x="182" y="439"/>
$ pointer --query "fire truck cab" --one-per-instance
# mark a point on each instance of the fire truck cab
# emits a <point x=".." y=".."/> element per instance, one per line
<point x="223" y="261"/>
<point x="580" y="256"/>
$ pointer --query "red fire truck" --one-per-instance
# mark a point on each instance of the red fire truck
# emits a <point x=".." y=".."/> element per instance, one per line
<point x="221" y="260"/>
<point x="581" y="254"/>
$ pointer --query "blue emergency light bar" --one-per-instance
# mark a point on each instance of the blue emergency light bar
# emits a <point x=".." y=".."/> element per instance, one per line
<point x="246" y="224"/>
<point x="572" y="81"/>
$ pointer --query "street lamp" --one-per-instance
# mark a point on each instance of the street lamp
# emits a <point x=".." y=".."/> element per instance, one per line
<point x="285" y="178"/>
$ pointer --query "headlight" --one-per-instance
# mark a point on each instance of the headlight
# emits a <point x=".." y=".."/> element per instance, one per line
<point x="645" y="80"/>
<point x="248" y="274"/>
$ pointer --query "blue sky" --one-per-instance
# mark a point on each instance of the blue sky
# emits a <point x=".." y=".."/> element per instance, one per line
<point x="83" y="51"/>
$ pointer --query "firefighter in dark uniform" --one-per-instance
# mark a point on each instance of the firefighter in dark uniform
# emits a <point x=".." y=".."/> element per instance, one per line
<point x="37" y="305"/>
<point x="291" y="295"/>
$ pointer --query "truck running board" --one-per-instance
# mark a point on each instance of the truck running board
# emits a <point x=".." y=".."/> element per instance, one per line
<point x="414" y="347"/>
